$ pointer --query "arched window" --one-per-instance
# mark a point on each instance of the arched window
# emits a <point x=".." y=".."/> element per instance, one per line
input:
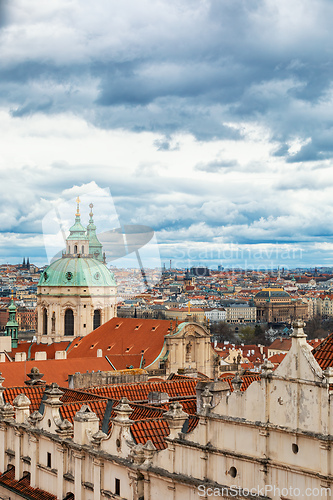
<point x="75" y="248"/>
<point x="69" y="322"/>
<point x="69" y="496"/>
<point x="97" y="319"/>
<point x="45" y="322"/>
<point x="53" y="321"/>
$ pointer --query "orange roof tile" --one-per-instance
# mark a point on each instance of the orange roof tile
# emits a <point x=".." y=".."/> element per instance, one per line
<point x="139" y="392"/>
<point x="247" y="380"/>
<point x="155" y="430"/>
<point x="30" y="348"/>
<point x="277" y="358"/>
<point x="55" y="370"/>
<point x="98" y="406"/>
<point x="34" y="393"/>
<point x="22" y="486"/>
<point x="282" y="344"/>
<point x="323" y="353"/>
<point x="124" y="337"/>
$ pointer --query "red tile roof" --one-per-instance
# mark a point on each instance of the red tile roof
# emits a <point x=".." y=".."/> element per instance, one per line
<point x="323" y="353"/>
<point x="189" y="405"/>
<point x="75" y="395"/>
<point x="281" y="344"/>
<point x="155" y="430"/>
<point x="98" y="406"/>
<point x="247" y="380"/>
<point x="30" y="348"/>
<point x="22" y="486"/>
<point x="277" y="358"/>
<point x="139" y="392"/>
<point x="192" y="422"/>
<point x="122" y="340"/>
<point x="34" y="393"/>
<point x="55" y="370"/>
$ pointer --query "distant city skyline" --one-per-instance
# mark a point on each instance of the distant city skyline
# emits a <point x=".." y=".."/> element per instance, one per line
<point x="209" y="122"/>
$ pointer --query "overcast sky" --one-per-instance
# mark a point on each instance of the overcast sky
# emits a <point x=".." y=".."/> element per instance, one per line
<point x="209" y="121"/>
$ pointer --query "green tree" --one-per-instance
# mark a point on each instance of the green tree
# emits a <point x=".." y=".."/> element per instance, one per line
<point x="221" y="332"/>
<point x="247" y="335"/>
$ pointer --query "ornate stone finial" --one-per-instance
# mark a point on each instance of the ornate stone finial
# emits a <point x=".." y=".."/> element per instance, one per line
<point x="98" y="437"/>
<point x="7" y="411"/>
<point x="65" y="429"/>
<point x="267" y="368"/>
<point x="21" y="401"/>
<point x="123" y="411"/>
<point x="175" y="411"/>
<point x="137" y="454"/>
<point x="78" y="206"/>
<point x="85" y="414"/>
<point x="237" y="383"/>
<point x="328" y="372"/>
<point x="2" y="390"/>
<point x="207" y="398"/>
<point x="53" y="394"/>
<point x="298" y="331"/>
<point x="21" y="404"/>
<point x="35" y="377"/>
<point x="149" y="451"/>
<point x="34" y="418"/>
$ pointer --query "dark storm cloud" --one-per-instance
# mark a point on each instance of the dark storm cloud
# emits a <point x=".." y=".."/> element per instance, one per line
<point x="201" y="65"/>
<point x="214" y="69"/>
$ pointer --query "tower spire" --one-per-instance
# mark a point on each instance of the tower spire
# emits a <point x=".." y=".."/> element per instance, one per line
<point x="91" y="205"/>
<point x="95" y="246"/>
<point x="77" y="207"/>
<point x="12" y="324"/>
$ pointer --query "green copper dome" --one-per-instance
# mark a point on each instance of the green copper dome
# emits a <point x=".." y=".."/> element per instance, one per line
<point x="77" y="271"/>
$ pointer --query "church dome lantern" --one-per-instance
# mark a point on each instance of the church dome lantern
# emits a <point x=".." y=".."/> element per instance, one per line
<point x="71" y="289"/>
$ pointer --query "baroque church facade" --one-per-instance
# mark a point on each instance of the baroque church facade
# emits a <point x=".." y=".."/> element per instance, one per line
<point x="270" y="441"/>
<point x="76" y="293"/>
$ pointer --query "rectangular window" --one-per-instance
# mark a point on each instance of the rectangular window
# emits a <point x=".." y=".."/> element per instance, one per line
<point x="84" y="325"/>
<point x="49" y="459"/>
<point x="117" y="486"/>
<point x="84" y="306"/>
